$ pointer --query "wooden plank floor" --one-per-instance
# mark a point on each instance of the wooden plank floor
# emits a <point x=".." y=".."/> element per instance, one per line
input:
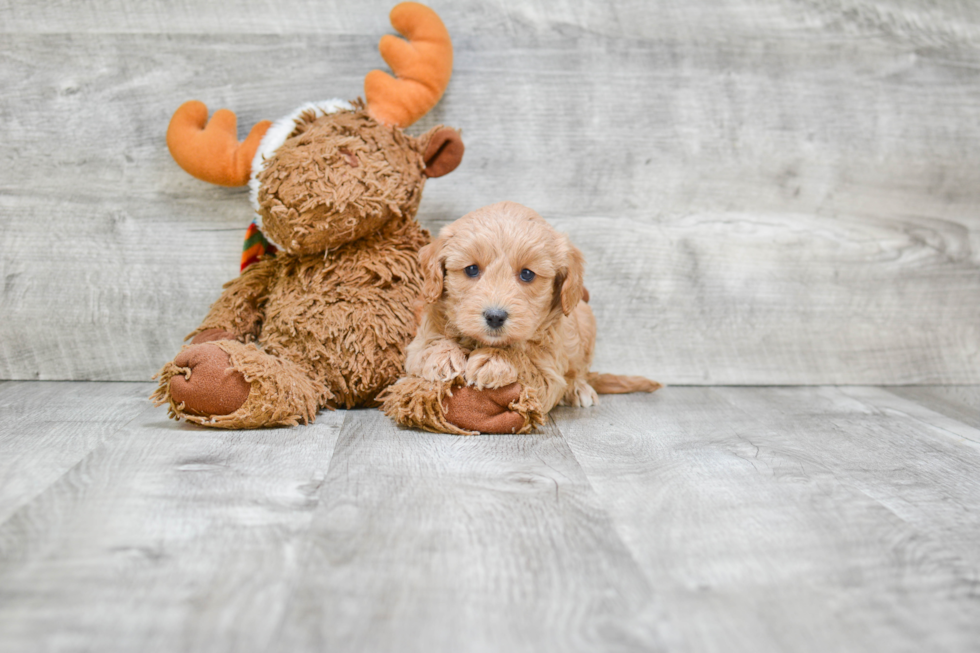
<point x="696" y="519"/>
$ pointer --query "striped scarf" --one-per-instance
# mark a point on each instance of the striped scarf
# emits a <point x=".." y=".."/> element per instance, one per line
<point x="255" y="246"/>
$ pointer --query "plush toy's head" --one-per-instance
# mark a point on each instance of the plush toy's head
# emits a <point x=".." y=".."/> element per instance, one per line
<point x="341" y="176"/>
<point x="332" y="172"/>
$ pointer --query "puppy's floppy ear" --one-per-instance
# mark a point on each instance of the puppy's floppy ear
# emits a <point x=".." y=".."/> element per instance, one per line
<point x="569" y="284"/>
<point x="442" y="150"/>
<point x="432" y="259"/>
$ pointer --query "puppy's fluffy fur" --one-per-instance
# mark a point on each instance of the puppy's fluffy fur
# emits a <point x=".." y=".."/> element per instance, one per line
<point x="547" y="338"/>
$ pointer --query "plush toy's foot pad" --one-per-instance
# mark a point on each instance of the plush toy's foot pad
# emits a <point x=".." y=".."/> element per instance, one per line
<point x="447" y="408"/>
<point x="228" y="384"/>
<point x="486" y="411"/>
<point x="208" y="385"/>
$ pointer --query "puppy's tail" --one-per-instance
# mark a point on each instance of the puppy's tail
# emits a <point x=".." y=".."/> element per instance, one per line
<point x="614" y="384"/>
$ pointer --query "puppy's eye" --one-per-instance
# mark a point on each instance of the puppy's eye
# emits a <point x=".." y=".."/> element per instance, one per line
<point x="472" y="270"/>
<point x="527" y="275"/>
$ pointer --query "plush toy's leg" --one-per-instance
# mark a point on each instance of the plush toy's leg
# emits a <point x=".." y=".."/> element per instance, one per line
<point x="227" y="384"/>
<point x="447" y="408"/>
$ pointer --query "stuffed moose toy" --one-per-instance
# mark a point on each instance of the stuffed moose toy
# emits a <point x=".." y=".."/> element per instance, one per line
<point x="323" y="318"/>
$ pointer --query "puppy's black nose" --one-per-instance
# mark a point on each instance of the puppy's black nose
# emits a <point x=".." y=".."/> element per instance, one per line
<point x="495" y="317"/>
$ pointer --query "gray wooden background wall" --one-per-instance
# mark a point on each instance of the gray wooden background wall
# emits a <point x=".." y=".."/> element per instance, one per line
<point x="767" y="191"/>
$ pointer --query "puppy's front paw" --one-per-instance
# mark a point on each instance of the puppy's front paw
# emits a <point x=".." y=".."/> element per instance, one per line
<point x="580" y="394"/>
<point x="444" y="361"/>
<point x="487" y="368"/>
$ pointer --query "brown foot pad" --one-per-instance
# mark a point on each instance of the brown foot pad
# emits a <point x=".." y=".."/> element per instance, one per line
<point x="486" y="410"/>
<point x="209" y="384"/>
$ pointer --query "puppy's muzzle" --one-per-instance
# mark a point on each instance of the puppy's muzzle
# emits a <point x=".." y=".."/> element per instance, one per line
<point x="495" y="317"/>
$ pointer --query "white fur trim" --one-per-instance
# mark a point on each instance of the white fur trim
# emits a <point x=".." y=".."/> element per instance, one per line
<point x="273" y="140"/>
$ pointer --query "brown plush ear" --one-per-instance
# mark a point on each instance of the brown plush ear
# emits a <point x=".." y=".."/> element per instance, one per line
<point x="432" y="261"/>
<point x="569" y="287"/>
<point x="443" y="151"/>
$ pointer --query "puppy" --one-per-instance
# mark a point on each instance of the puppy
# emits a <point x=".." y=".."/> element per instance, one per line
<point x="503" y="303"/>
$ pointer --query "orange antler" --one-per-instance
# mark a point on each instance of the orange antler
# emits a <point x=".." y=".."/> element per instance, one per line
<point x="212" y="153"/>
<point x="423" y="66"/>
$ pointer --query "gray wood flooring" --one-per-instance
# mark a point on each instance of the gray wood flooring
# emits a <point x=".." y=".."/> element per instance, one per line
<point x="766" y="191"/>
<point x="696" y="519"/>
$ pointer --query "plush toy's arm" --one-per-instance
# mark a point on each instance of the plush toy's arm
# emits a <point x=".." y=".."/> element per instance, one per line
<point x="444" y="407"/>
<point x="238" y="313"/>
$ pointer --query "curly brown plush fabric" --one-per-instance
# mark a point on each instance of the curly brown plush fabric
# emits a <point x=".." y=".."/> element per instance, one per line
<point x="325" y="322"/>
<point x="339" y="180"/>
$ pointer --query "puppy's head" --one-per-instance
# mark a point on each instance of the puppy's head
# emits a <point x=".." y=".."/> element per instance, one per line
<point x="501" y="274"/>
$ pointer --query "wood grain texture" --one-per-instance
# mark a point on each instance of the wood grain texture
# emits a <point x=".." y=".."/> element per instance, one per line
<point x="958" y="402"/>
<point x="956" y="430"/>
<point x="428" y="542"/>
<point x="934" y="21"/>
<point x="48" y="427"/>
<point x="777" y="192"/>
<point x="806" y="519"/>
<point x="165" y="538"/>
<point x="765" y="520"/>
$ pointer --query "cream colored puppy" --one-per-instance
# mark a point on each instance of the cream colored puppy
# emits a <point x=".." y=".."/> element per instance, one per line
<point x="503" y="293"/>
